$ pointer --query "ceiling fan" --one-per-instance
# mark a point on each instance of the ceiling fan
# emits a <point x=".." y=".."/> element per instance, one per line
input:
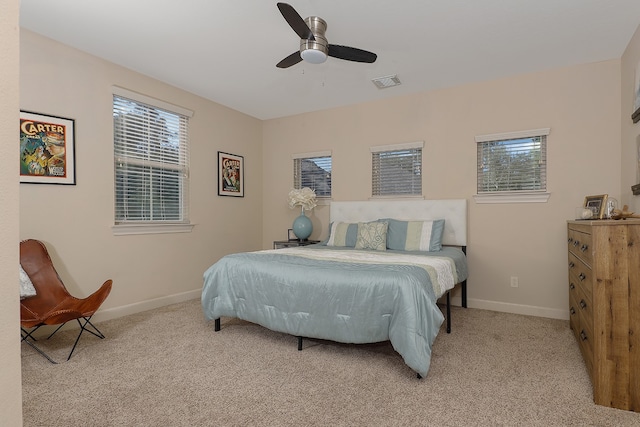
<point x="314" y="47"/>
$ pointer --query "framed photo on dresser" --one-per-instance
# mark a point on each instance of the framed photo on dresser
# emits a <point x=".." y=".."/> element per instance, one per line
<point x="597" y="204"/>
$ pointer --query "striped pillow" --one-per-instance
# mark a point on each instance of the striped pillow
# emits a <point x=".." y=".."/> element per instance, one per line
<point x="415" y="235"/>
<point x="342" y="234"/>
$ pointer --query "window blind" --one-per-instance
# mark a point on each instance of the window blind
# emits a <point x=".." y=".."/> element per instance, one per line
<point x="313" y="172"/>
<point x="151" y="157"/>
<point x="397" y="171"/>
<point x="512" y="165"/>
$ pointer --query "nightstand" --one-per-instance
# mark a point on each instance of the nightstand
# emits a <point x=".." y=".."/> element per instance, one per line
<point x="280" y="244"/>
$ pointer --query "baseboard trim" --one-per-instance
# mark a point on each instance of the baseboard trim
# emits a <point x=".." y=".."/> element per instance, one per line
<point x="137" y="307"/>
<point x="104" y="314"/>
<point x="528" y="310"/>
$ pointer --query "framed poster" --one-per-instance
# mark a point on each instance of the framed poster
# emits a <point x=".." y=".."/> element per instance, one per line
<point x="230" y="175"/>
<point x="635" y="116"/>
<point x="47" y="149"/>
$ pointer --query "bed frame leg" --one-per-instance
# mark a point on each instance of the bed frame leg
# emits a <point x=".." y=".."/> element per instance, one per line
<point x="217" y="325"/>
<point x="464" y="293"/>
<point x="299" y="343"/>
<point x="464" y="284"/>
<point x="448" y="312"/>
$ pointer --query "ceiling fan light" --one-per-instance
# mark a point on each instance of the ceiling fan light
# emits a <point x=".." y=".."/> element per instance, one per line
<point x="313" y="56"/>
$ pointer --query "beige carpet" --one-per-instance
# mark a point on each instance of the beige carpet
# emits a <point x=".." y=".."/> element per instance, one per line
<point x="167" y="367"/>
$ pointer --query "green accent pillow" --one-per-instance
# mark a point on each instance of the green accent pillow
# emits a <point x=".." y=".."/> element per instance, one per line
<point x="372" y="235"/>
<point x="415" y="235"/>
<point x="342" y="234"/>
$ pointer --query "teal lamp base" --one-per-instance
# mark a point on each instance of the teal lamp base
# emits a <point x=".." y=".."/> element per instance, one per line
<point x="302" y="227"/>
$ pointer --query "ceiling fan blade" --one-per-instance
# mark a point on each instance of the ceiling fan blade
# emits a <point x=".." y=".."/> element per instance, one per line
<point x="295" y="21"/>
<point x="351" y="54"/>
<point x="290" y="60"/>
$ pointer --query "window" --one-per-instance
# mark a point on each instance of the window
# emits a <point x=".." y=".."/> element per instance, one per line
<point x="397" y="170"/>
<point x="513" y="164"/>
<point x="151" y="157"/>
<point x="313" y="170"/>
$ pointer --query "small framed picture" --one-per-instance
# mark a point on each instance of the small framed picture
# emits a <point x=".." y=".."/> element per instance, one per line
<point x="291" y="235"/>
<point x="230" y="175"/>
<point x="635" y="116"/>
<point x="597" y="204"/>
<point x="47" y="149"/>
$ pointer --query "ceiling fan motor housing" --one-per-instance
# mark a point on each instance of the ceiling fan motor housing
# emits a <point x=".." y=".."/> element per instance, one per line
<point x="315" y="51"/>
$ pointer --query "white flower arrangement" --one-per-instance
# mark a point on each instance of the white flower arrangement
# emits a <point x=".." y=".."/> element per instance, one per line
<point x="304" y="197"/>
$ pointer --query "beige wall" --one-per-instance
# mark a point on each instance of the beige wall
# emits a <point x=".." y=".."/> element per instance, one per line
<point x="75" y="221"/>
<point x="630" y="132"/>
<point x="10" y="376"/>
<point x="580" y="104"/>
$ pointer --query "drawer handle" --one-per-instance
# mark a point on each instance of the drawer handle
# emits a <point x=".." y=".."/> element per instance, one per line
<point x="572" y="286"/>
<point x="570" y="240"/>
<point x="576" y="242"/>
<point x="583" y="304"/>
<point x="583" y="248"/>
<point x="572" y="311"/>
<point x="582" y="277"/>
<point x="583" y="335"/>
<point x="571" y="264"/>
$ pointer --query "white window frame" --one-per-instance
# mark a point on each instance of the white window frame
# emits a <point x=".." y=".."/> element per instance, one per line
<point x="297" y="172"/>
<point x="536" y="196"/>
<point x="417" y="146"/>
<point x="128" y="227"/>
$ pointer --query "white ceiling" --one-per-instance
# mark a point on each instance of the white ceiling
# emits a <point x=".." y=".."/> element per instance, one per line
<point x="226" y="50"/>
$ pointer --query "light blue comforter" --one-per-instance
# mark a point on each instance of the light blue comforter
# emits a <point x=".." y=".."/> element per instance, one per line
<point x="353" y="301"/>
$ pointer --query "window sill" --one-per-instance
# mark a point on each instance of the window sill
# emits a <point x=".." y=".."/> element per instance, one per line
<point x="398" y="197"/>
<point x="129" y="229"/>
<point x="512" y="198"/>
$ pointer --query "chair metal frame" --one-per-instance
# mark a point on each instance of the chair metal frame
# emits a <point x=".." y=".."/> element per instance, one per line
<point x="83" y="327"/>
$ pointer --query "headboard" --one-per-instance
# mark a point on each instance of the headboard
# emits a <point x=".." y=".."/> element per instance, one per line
<point x="453" y="211"/>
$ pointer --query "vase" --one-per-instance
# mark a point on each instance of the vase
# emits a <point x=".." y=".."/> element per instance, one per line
<point x="302" y="226"/>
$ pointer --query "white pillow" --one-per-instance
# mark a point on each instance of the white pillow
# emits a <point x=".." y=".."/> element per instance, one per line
<point x="26" y="286"/>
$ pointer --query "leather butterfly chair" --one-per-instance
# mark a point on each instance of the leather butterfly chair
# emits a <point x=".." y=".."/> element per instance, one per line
<point x="52" y="304"/>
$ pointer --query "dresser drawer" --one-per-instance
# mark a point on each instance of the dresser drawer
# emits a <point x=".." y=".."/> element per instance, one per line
<point x="585" y="308"/>
<point x="585" y="343"/>
<point x="586" y="336"/>
<point x="580" y="275"/>
<point x="581" y="322"/>
<point x="574" y="312"/>
<point x="580" y="244"/>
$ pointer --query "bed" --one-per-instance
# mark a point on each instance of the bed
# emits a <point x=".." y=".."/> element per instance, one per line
<point x="354" y="293"/>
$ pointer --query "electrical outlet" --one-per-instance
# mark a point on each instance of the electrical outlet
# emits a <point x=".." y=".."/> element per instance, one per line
<point x="514" y="281"/>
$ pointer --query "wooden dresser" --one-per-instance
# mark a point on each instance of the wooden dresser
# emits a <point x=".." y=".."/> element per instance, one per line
<point x="604" y="306"/>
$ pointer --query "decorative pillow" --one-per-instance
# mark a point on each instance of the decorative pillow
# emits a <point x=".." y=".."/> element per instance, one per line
<point x="26" y="286"/>
<point x="415" y="235"/>
<point x="372" y="235"/>
<point x="342" y="234"/>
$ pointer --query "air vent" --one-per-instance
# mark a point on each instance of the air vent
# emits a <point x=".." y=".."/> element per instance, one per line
<point x="387" y="81"/>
